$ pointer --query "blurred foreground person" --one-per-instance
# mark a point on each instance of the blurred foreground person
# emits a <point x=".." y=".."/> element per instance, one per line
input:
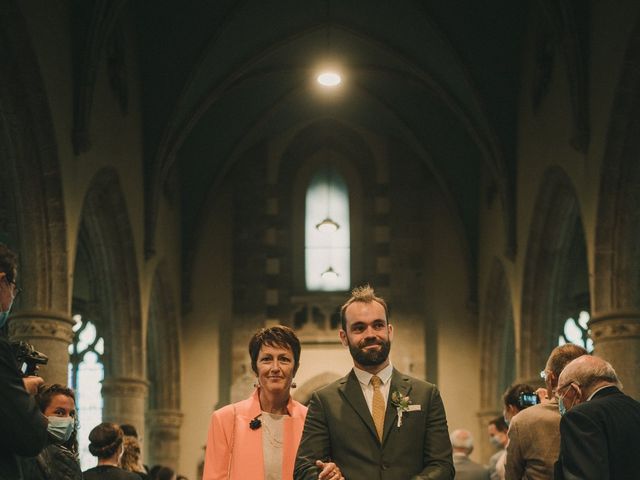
<point x="23" y="427"/>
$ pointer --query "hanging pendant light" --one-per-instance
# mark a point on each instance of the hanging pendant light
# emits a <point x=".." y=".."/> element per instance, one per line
<point x="327" y="226"/>
<point x="330" y="274"/>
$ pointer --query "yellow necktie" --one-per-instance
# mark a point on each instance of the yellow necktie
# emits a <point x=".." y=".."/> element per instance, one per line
<point x="378" y="407"/>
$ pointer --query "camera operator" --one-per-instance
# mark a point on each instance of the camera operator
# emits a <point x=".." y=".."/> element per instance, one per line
<point x="534" y="434"/>
<point x="23" y="428"/>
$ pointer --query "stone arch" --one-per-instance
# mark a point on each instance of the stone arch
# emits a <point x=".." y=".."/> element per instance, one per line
<point x="497" y="368"/>
<point x="304" y="392"/>
<point x="556" y="253"/>
<point x="33" y="187"/>
<point x="106" y="242"/>
<point x="615" y="321"/>
<point x="164" y="416"/>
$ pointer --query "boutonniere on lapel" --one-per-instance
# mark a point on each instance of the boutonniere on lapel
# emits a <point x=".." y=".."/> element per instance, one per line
<point x="402" y="404"/>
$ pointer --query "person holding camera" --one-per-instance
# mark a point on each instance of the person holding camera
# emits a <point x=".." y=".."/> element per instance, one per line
<point x="534" y="434"/>
<point x="23" y="428"/>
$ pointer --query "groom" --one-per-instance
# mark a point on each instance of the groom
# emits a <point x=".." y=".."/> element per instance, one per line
<point x="375" y="423"/>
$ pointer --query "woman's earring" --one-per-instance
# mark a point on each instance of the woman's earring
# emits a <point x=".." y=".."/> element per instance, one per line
<point x="294" y="384"/>
<point x="256" y="384"/>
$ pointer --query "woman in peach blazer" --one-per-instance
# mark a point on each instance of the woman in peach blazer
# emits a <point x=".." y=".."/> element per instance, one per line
<point x="244" y="443"/>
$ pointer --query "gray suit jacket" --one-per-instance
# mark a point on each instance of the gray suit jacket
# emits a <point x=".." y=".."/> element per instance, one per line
<point x="339" y="427"/>
<point x="534" y="443"/>
<point x="467" y="469"/>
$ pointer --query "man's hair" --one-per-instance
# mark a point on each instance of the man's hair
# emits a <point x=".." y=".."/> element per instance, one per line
<point x="562" y="355"/>
<point x="8" y="262"/>
<point x="462" y="439"/>
<point x="276" y="336"/>
<point x="589" y="370"/>
<point x="512" y="393"/>
<point x="500" y="424"/>
<point x="47" y="392"/>
<point x="364" y="294"/>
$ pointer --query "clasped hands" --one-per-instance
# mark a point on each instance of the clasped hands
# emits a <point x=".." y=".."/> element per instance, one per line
<point x="328" y="471"/>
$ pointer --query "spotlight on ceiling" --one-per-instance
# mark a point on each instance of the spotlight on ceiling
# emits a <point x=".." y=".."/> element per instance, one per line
<point x="329" y="79"/>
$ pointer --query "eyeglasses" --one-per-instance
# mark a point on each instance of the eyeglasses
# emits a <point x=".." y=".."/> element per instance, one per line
<point x="559" y="389"/>
<point x="12" y="283"/>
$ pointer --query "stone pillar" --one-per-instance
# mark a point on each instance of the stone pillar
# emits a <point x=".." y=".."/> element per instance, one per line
<point x="482" y="444"/>
<point x="124" y="401"/>
<point x="163" y="436"/>
<point x="616" y="338"/>
<point x="49" y="333"/>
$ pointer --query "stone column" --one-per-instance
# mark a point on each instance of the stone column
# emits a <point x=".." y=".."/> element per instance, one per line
<point x="163" y="444"/>
<point x="124" y="401"/>
<point x="49" y="333"/>
<point x="616" y="338"/>
<point x="482" y="443"/>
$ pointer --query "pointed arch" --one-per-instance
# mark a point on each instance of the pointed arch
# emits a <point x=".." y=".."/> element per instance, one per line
<point x="497" y="368"/>
<point x="556" y="272"/>
<point x="106" y="242"/>
<point x="617" y="250"/>
<point x="28" y="154"/>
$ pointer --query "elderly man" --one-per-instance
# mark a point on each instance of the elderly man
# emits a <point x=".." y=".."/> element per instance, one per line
<point x="23" y="427"/>
<point x="534" y="434"/>
<point x="466" y="469"/>
<point x="375" y="422"/>
<point x="599" y="426"/>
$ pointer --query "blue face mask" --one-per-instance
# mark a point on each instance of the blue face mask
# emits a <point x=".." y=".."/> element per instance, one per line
<point x="5" y="315"/>
<point x="561" y="406"/>
<point x="61" y="428"/>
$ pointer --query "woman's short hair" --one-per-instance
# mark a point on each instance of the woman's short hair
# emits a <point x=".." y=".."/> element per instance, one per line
<point x="105" y="440"/>
<point x="48" y="391"/>
<point x="276" y="336"/>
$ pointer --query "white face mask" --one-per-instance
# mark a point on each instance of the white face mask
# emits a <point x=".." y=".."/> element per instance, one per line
<point x="495" y="442"/>
<point x="61" y="428"/>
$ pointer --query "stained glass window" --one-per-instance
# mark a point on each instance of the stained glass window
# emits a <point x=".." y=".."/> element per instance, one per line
<point x="577" y="332"/>
<point x="86" y="373"/>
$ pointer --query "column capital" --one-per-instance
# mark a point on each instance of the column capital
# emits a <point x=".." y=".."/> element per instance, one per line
<point x="615" y="325"/>
<point x="40" y="324"/>
<point x="165" y="419"/>
<point x="125" y="387"/>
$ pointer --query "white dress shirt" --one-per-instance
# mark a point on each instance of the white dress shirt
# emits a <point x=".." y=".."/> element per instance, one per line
<point x="367" y="389"/>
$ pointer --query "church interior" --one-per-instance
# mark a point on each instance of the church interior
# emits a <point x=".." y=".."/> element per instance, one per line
<point x="167" y="168"/>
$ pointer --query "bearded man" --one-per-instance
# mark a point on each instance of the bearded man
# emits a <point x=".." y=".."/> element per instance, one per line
<point x="375" y="422"/>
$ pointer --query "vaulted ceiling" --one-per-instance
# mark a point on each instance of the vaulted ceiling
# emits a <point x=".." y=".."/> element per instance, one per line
<point x="442" y="77"/>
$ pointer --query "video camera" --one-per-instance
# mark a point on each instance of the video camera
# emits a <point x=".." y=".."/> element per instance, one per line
<point x="28" y="358"/>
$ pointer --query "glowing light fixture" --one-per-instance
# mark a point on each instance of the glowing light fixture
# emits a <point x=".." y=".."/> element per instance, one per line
<point x="330" y="274"/>
<point x="327" y="226"/>
<point x="329" y="79"/>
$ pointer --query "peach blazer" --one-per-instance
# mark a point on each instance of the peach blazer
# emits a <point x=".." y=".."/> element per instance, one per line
<point x="234" y="451"/>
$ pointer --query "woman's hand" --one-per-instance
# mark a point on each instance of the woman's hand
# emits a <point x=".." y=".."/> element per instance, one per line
<point x="329" y="471"/>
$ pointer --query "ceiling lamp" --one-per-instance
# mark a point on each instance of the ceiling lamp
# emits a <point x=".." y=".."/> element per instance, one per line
<point x="329" y="274"/>
<point x="329" y="79"/>
<point x="327" y="226"/>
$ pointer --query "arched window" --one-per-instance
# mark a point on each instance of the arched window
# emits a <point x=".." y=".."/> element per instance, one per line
<point x="327" y="233"/>
<point x="86" y="373"/>
<point x="577" y="332"/>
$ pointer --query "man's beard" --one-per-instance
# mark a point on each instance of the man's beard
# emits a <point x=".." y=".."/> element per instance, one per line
<point x="370" y="358"/>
